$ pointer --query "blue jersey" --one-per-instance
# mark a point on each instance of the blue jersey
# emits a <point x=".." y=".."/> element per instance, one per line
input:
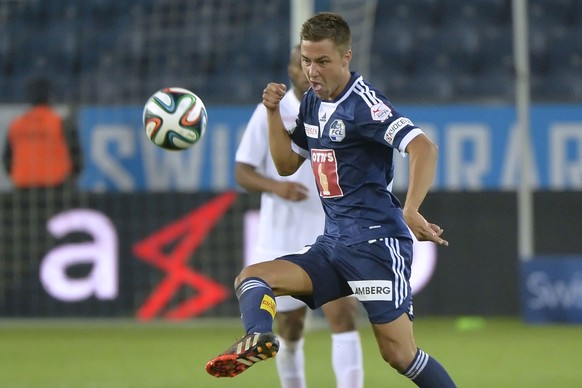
<point x="350" y="142"/>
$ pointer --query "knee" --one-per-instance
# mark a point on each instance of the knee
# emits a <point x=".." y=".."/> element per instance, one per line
<point x="247" y="272"/>
<point x="396" y="360"/>
<point x="399" y="357"/>
<point x="238" y="280"/>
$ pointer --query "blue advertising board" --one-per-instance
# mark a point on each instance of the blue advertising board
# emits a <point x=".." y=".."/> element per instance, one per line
<point x="479" y="149"/>
<point x="551" y="290"/>
<point x="119" y="157"/>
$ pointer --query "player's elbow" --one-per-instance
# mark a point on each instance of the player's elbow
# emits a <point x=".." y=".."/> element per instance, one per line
<point x="433" y="150"/>
<point x="242" y="175"/>
<point x="285" y="170"/>
<point x="288" y="164"/>
<point x="285" y="167"/>
<point x="423" y="146"/>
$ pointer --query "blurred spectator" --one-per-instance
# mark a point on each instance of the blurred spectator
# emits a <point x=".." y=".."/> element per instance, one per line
<point x="41" y="149"/>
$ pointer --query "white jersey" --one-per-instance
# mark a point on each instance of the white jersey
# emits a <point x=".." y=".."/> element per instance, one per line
<point x="284" y="226"/>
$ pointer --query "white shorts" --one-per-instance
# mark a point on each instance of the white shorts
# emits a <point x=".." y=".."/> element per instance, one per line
<point x="284" y="303"/>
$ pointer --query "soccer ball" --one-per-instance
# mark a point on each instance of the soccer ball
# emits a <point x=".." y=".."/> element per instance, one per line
<point x="174" y="118"/>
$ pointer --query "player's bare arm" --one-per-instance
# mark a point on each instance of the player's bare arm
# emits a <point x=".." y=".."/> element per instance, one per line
<point x="286" y="161"/>
<point x="423" y="157"/>
<point x="249" y="178"/>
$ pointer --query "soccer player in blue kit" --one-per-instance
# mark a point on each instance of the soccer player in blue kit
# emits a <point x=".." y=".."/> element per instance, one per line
<point x="349" y="131"/>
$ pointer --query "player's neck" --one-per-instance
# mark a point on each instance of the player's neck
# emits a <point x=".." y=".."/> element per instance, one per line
<point x="341" y="87"/>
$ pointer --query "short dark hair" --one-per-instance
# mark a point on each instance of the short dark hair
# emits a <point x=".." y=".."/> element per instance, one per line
<point x="327" y="25"/>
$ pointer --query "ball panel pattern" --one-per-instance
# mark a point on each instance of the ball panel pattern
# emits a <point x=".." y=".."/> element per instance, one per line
<point x="175" y="118"/>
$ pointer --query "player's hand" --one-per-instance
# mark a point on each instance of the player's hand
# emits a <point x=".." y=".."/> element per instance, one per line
<point x="273" y="94"/>
<point x="422" y="229"/>
<point x="291" y="191"/>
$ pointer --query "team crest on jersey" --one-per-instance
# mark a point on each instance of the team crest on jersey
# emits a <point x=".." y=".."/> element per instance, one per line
<point x="380" y="112"/>
<point x="394" y="128"/>
<point x="312" y="131"/>
<point x="337" y="130"/>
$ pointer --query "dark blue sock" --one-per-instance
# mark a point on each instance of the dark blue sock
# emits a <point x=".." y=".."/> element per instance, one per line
<point x="257" y="305"/>
<point x="426" y="372"/>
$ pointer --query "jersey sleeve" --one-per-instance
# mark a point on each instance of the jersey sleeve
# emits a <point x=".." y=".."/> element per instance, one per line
<point x="382" y="123"/>
<point x="254" y="147"/>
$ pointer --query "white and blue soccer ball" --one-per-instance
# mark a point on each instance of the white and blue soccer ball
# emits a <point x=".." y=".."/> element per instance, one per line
<point x="174" y="118"/>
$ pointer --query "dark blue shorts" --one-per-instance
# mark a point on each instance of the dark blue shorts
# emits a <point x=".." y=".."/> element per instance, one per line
<point x="376" y="271"/>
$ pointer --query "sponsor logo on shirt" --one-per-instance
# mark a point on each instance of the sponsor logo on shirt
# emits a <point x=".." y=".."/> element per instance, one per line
<point x="324" y="165"/>
<point x="380" y="112"/>
<point x="312" y="130"/>
<point x="323" y="118"/>
<point x="372" y="290"/>
<point x="337" y="131"/>
<point x="395" y="127"/>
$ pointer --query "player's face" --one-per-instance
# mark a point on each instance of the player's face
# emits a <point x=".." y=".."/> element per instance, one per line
<point x="325" y="67"/>
<point x="296" y="74"/>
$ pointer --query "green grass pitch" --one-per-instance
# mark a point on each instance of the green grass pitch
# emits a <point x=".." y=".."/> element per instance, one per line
<point x="498" y="353"/>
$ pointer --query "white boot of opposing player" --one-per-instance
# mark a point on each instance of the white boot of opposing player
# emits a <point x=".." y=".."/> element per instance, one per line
<point x="291" y="364"/>
<point x="347" y="360"/>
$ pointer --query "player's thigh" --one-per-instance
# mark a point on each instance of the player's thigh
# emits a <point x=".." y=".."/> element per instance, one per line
<point x="283" y="276"/>
<point x="341" y="314"/>
<point x="326" y="282"/>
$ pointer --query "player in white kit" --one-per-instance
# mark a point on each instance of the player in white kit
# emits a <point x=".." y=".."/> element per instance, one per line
<point x="291" y="216"/>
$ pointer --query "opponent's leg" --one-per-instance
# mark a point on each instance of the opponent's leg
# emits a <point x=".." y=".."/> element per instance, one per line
<point x="291" y="358"/>
<point x="346" y="352"/>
